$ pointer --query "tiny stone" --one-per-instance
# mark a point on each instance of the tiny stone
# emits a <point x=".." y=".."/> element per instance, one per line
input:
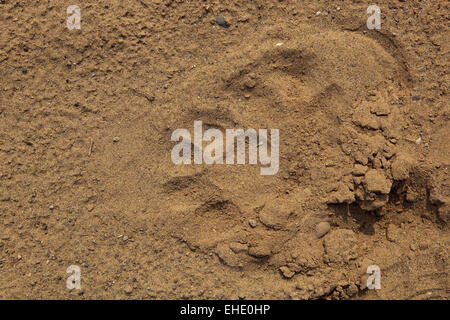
<point x="116" y="139"/>
<point x="222" y="22"/>
<point x="252" y="223"/>
<point x="352" y="290"/>
<point x="287" y="273"/>
<point x="322" y="229"/>
<point x="51" y="207"/>
<point x="128" y="290"/>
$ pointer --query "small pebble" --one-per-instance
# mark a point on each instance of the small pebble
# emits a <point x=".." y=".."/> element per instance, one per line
<point x="51" y="207"/>
<point x="116" y="139"/>
<point x="128" y="290"/>
<point x="322" y="229"/>
<point x="222" y="22"/>
<point x="252" y="223"/>
<point x="286" y="272"/>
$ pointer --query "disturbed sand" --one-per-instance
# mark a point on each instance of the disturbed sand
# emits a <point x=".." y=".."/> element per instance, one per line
<point x="86" y="176"/>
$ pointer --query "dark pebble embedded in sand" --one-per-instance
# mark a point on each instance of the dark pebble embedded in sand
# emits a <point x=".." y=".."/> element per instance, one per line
<point x="222" y="22"/>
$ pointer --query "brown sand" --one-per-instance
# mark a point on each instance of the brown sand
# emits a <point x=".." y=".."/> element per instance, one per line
<point x="350" y="103"/>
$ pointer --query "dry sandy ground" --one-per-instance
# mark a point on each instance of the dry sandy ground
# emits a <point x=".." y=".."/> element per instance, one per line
<point x="86" y="177"/>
